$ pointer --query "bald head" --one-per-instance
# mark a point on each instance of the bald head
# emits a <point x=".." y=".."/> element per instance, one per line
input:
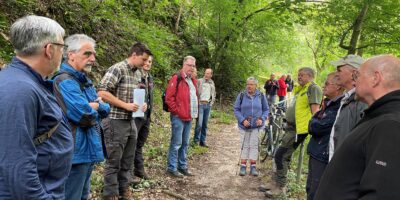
<point x="377" y="77"/>
<point x="208" y="74"/>
<point x="388" y="66"/>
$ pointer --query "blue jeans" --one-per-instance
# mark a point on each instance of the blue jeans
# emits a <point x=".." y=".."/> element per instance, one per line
<point x="78" y="183"/>
<point x="178" y="147"/>
<point x="200" y="132"/>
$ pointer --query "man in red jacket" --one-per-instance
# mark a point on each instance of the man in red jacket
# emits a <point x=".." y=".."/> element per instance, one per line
<point x="282" y="90"/>
<point x="182" y="101"/>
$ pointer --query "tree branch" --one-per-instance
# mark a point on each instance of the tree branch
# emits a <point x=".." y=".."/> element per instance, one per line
<point x="341" y="44"/>
<point x="4" y="36"/>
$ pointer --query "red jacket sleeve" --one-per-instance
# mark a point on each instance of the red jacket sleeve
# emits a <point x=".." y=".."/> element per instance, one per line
<point x="171" y="95"/>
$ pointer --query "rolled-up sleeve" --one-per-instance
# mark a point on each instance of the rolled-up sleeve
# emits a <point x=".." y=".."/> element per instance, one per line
<point x="110" y="79"/>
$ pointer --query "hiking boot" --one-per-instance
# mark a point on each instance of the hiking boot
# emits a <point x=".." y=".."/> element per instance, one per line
<point x="242" y="171"/>
<point x="174" y="174"/>
<point x="126" y="194"/>
<point x="142" y="175"/>
<point x="253" y="171"/>
<point x="110" y="198"/>
<point x="263" y="188"/>
<point x="203" y="144"/>
<point x="136" y="180"/>
<point x="185" y="172"/>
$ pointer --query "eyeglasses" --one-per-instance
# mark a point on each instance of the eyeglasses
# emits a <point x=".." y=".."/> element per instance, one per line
<point x="327" y="83"/>
<point x="58" y="44"/>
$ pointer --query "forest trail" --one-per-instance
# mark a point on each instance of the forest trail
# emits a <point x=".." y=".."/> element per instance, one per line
<point x="215" y="172"/>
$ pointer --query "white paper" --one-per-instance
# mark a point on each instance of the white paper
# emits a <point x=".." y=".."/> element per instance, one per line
<point x="138" y="98"/>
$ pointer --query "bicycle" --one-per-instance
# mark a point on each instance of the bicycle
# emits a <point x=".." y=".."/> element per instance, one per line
<point x="272" y="133"/>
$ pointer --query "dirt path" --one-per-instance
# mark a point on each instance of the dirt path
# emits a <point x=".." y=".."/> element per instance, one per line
<point x="215" y="172"/>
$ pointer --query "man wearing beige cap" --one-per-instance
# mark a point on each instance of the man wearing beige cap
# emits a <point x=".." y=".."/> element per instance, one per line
<point x="350" y="108"/>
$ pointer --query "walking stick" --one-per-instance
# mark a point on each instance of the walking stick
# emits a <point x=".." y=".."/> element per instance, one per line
<point x="240" y="155"/>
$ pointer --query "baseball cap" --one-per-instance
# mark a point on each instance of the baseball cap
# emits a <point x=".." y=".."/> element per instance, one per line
<point x="352" y="60"/>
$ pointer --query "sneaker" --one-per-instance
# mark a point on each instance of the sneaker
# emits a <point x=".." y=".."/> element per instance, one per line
<point x="185" y="172"/>
<point x="242" y="171"/>
<point x="253" y="171"/>
<point x="174" y="174"/>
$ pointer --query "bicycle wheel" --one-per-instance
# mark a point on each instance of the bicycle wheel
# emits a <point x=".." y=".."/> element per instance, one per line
<point x="268" y="148"/>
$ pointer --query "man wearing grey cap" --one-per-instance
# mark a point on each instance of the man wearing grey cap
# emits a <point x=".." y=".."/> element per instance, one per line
<point x="350" y="108"/>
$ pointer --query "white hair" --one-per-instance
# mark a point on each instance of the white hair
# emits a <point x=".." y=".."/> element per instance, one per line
<point x="252" y="79"/>
<point x="31" y="33"/>
<point x="188" y="58"/>
<point x="74" y="43"/>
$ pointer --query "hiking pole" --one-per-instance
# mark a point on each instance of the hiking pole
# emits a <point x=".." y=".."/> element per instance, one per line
<point x="240" y="155"/>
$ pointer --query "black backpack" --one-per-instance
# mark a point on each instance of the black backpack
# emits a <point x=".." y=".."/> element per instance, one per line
<point x="164" y="103"/>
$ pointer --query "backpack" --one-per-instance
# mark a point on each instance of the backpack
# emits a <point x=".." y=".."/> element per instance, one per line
<point x="40" y="138"/>
<point x="242" y="95"/>
<point x="163" y="96"/>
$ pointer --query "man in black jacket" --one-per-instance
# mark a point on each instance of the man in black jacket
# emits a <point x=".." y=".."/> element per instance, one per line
<point x="271" y="87"/>
<point x="143" y="123"/>
<point x="367" y="164"/>
<point x="320" y="127"/>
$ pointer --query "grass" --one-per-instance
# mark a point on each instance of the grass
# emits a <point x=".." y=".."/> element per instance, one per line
<point x="223" y="116"/>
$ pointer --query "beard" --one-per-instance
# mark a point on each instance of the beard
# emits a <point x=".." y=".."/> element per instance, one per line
<point x="88" y="68"/>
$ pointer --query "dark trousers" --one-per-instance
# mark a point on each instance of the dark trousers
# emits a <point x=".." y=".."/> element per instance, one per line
<point x="283" y="155"/>
<point x="282" y="105"/>
<point x="315" y="170"/>
<point x="120" y="136"/>
<point x="143" y="127"/>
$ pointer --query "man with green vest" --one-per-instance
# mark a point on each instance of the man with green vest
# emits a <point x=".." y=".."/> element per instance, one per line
<point x="307" y="100"/>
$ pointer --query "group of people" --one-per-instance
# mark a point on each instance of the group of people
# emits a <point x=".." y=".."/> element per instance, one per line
<point x="354" y="130"/>
<point x="282" y="88"/>
<point x="55" y="128"/>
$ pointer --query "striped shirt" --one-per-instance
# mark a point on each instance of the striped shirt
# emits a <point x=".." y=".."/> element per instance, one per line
<point x="120" y="80"/>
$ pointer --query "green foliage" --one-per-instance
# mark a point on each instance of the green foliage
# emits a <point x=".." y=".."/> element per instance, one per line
<point x="237" y="39"/>
<point x="223" y="116"/>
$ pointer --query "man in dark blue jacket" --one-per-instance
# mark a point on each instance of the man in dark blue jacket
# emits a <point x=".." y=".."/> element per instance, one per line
<point x="35" y="139"/>
<point x="320" y="127"/>
<point x="84" y="109"/>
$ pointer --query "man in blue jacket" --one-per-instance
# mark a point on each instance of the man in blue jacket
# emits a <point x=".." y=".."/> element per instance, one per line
<point x="35" y="139"/>
<point x="84" y="109"/>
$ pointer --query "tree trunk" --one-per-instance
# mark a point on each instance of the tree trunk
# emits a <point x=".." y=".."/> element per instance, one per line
<point x="178" y="19"/>
<point x="357" y="29"/>
<point x="362" y="40"/>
